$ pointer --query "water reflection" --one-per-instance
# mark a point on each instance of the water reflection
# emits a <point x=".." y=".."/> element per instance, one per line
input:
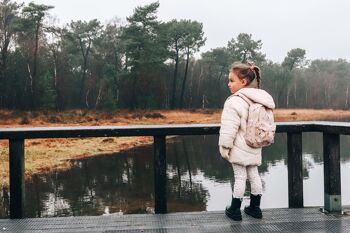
<point x="198" y="180"/>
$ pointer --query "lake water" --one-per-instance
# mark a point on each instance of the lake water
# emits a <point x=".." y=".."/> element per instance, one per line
<point x="198" y="180"/>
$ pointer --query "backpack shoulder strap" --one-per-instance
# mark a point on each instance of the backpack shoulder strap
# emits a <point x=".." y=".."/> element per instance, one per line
<point x="245" y="98"/>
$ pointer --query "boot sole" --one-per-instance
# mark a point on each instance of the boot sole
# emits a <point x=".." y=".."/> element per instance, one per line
<point x="259" y="216"/>
<point x="232" y="216"/>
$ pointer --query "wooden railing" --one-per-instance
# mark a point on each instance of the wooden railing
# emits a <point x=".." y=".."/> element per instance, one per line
<point x="331" y="154"/>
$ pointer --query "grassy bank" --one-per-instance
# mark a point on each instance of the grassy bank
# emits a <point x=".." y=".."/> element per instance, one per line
<point x="45" y="155"/>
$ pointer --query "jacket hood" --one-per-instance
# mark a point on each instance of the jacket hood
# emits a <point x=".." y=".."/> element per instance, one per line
<point x="259" y="96"/>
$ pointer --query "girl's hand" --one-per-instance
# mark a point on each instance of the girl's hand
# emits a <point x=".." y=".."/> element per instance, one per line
<point x="225" y="152"/>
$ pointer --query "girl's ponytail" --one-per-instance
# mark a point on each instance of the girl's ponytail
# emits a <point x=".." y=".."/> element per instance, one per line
<point x="257" y="73"/>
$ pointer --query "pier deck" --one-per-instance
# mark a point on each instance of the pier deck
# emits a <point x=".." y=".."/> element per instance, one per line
<point x="275" y="220"/>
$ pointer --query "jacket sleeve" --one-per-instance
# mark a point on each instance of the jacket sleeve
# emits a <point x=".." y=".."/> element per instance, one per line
<point x="230" y="122"/>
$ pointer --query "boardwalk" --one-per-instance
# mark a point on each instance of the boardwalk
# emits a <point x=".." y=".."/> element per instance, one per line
<point x="275" y="220"/>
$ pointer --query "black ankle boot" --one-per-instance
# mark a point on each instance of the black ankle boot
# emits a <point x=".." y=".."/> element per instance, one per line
<point x="254" y="208"/>
<point x="234" y="211"/>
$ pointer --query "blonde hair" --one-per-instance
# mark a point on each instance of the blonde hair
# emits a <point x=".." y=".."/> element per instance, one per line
<point x="249" y="72"/>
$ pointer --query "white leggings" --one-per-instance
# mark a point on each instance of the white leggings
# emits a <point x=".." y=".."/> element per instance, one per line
<point x="241" y="173"/>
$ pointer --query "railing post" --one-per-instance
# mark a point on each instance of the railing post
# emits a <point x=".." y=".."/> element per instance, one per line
<point x="295" y="170"/>
<point x="331" y="168"/>
<point x="17" y="178"/>
<point x="160" y="175"/>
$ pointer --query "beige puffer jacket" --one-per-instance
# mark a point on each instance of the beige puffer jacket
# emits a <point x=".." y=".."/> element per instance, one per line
<point x="233" y="125"/>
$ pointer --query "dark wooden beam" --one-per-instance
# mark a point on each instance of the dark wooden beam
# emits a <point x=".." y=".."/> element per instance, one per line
<point x="295" y="170"/>
<point x="158" y="130"/>
<point x="331" y="167"/>
<point x="17" y="179"/>
<point x="160" y="176"/>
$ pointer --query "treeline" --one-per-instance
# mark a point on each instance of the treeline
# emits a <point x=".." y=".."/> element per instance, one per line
<point x="143" y="63"/>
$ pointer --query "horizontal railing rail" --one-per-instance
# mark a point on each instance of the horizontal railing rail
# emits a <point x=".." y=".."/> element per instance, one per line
<point x="331" y="154"/>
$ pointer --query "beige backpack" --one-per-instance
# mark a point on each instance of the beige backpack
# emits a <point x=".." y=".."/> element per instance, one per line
<point x="261" y="126"/>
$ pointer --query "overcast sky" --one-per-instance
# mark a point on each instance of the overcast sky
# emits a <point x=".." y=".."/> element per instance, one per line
<point x="321" y="27"/>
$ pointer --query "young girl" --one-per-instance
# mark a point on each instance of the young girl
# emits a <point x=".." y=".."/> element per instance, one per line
<point x="244" y="79"/>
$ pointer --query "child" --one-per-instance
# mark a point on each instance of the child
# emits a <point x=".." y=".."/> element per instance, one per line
<point x="244" y="79"/>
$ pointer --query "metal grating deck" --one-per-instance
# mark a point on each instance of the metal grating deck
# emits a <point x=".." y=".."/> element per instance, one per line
<point x="275" y="220"/>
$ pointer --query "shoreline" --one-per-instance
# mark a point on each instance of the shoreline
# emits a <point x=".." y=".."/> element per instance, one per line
<point x="47" y="155"/>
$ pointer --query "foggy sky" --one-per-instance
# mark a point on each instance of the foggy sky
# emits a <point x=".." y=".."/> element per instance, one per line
<point x="318" y="26"/>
